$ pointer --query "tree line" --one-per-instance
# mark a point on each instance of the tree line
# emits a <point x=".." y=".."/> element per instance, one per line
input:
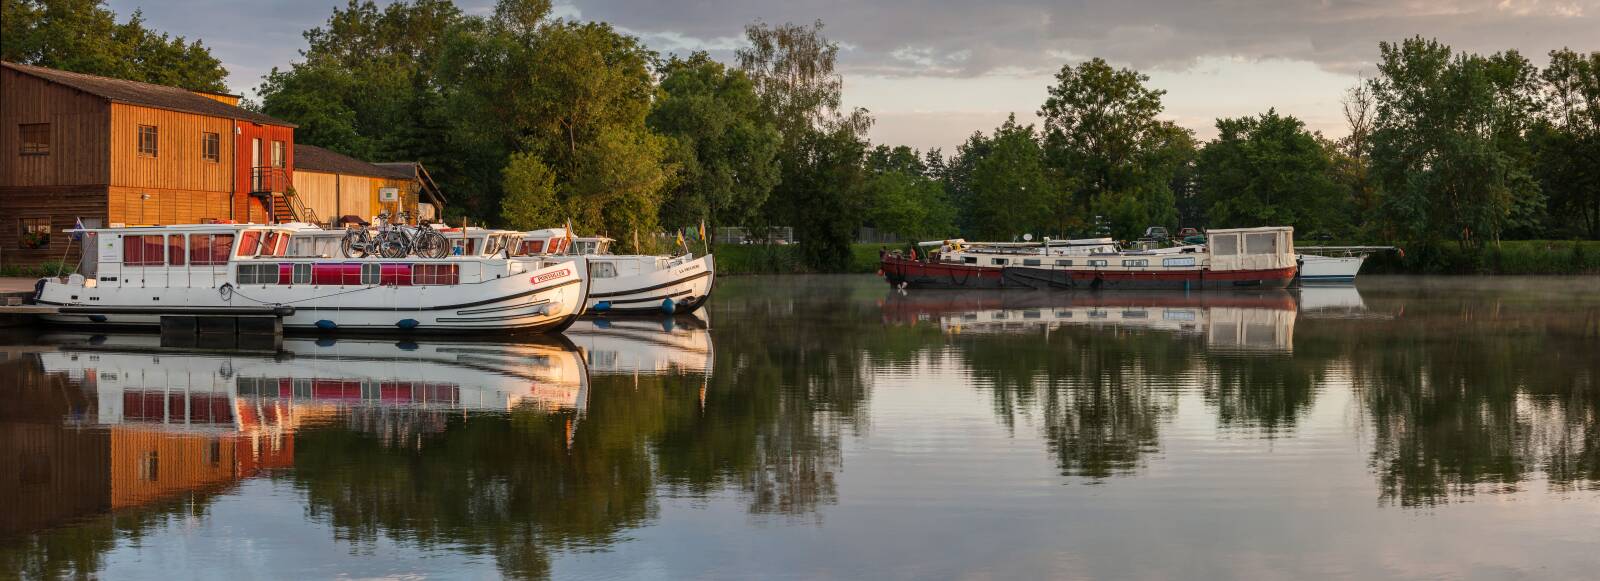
<point x="529" y="120"/>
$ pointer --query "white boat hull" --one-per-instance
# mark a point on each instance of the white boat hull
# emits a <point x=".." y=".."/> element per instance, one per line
<point x="1330" y="269"/>
<point x="675" y="290"/>
<point x="536" y="299"/>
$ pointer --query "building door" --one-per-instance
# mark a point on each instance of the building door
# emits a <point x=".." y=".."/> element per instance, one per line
<point x="255" y="162"/>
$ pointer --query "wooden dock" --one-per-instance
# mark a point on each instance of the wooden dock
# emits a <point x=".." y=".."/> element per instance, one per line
<point x="18" y="310"/>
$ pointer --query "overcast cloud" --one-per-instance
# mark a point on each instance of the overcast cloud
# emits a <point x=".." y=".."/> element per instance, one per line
<point x="935" y="70"/>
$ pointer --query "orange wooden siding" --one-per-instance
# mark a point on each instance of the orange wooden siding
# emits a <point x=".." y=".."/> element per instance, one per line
<point x="179" y="163"/>
<point x="147" y="465"/>
<point x="152" y="206"/>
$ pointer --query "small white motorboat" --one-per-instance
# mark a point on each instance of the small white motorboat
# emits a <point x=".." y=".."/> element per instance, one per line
<point x="1334" y="264"/>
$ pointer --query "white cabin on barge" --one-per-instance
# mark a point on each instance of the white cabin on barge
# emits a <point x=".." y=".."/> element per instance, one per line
<point x="135" y="276"/>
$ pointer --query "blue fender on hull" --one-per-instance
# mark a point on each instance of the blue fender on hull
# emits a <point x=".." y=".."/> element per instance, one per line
<point x="407" y="324"/>
<point x="667" y="306"/>
<point x="327" y="325"/>
<point x="602" y="306"/>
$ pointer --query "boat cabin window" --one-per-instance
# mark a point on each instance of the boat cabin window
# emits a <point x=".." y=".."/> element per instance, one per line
<point x="1261" y="243"/>
<point x="371" y="273"/>
<point x="1030" y="262"/>
<point x="144" y="250"/>
<point x="1063" y="263"/>
<point x="464" y="247"/>
<point x="999" y="261"/>
<point x="250" y="243"/>
<point x="1225" y="244"/>
<point x="1097" y="263"/>
<point x="209" y="249"/>
<point x="258" y="273"/>
<point x="175" y="250"/>
<point x="435" y="274"/>
<point x="1184" y="261"/>
<point x="1139" y="262"/>
<point x="970" y="259"/>
<point x="531" y="247"/>
<point x="300" y="273"/>
<point x="603" y="269"/>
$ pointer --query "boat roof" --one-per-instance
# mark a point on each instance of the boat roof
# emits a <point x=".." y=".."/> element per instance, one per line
<point x="187" y="228"/>
<point x="1256" y="229"/>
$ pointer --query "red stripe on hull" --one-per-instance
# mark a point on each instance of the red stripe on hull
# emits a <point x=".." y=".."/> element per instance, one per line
<point x="945" y="275"/>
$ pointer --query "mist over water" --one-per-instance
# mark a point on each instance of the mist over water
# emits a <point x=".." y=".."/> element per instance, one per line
<point x="809" y="427"/>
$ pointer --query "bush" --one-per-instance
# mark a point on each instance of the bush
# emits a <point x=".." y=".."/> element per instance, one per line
<point x="1516" y="257"/>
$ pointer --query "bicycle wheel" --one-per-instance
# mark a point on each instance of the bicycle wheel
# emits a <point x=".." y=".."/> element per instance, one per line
<point x="392" y="244"/>
<point x="355" y="244"/>
<point x="431" y="244"/>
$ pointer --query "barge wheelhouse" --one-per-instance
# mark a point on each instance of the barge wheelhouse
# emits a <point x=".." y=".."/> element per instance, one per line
<point x="136" y="276"/>
<point x="1233" y="258"/>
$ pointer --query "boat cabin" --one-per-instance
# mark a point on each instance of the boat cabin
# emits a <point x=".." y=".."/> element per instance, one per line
<point x="1266" y="248"/>
<point x="471" y="241"/>
<point x="210" y="255"/>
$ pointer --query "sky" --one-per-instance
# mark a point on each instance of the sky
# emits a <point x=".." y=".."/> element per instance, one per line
<point x="932" y="72"/>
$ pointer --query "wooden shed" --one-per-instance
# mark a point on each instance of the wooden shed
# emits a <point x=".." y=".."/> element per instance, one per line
<point x="332" y="184"/>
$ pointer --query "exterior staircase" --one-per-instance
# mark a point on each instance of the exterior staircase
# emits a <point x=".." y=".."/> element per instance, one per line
<point x="272" y="186"/>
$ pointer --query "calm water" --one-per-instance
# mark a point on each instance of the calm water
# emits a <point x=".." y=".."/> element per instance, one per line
<point x="828" y="428"/>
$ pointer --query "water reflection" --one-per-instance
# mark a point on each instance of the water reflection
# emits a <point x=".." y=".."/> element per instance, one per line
<point x="811" y="396"/>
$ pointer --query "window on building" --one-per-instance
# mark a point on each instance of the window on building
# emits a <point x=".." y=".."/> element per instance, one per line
<point x="258" y="273"/>
<point x="149" y="250"/>
<point x="147" y="140"/>
<point x="35" y="138"/>
<point x="211" y="149"/>
<point x="33" y="233"/>
<point x="279" y="155"/>
<point x="209" y="249"/>
<point x="150" y="467"/>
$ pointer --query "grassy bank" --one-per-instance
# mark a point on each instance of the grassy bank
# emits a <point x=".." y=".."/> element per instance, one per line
<point x="49" y="268"/>
<point x="1513" y="257"/>
<point x="785" y="259"/>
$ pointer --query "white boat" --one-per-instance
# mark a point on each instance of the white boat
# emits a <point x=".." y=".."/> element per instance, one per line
<point x="628" y="284"/>
<point x="636" y="345"/>
<point x="135" y="276"/>
<point x="1334" y="264"/>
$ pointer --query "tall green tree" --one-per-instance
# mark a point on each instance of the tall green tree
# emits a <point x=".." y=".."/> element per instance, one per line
<point x="1104" y="143"/>
<point x="83" y="36"/>
<point x="724" y="144"/>
<point x="900" y="197"/>
<point x="1448" y="144"/>
<point x="1008" y="190"/>
<point x="1268" y="170"/>
<point x="1566" y="143"/>
<point x="792" y="68"/>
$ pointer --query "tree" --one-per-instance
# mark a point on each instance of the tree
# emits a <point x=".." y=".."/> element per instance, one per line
<point x="1448" y="143"/>
<point x="1267" y="170"/>
<point x="1566" y="143"/>
<point x="1103" y="142"/>
<point x="530" y="199"/>
<point x="721" y="139"/>
<point x="792" y="69"/>
<point x="900" y="198"/>
<point x="83" y="36"/>
<point x="1008" y="188"/>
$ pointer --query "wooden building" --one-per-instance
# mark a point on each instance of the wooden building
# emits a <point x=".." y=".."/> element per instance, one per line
<point x="333" y="185"/>
<point x="110" y="151"/>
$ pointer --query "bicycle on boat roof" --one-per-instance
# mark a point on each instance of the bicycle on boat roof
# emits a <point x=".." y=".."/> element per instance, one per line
<point x="396" y="240"/>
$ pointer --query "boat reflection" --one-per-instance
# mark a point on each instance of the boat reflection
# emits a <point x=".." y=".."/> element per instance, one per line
<point x="1250" y="321"/>
<point x="644" y="345"/>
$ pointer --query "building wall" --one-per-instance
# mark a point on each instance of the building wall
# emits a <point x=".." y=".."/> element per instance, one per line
<point x="319" y="191"/>
<point x="62" y="206"/>
<point x="246" y="207"/>
<point x="179" y="163"/>
<point x="156" y="206"/>
<point x="79" y="153"/>
<point x="357" y="196"/>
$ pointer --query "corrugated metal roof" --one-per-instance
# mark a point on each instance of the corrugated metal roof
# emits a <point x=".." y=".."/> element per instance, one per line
<point x="146" y="94"/>
<point x="313" y="158"/>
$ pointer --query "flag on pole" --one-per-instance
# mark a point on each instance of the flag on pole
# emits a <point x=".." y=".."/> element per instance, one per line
<point x="680" y="238"/>
<point x="703" y="231"/>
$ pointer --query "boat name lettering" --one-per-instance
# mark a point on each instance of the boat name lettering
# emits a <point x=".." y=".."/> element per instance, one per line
<point x="551" y="276"/>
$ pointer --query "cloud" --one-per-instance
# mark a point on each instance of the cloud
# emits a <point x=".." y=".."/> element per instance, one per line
<point x="923" y="37"/>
